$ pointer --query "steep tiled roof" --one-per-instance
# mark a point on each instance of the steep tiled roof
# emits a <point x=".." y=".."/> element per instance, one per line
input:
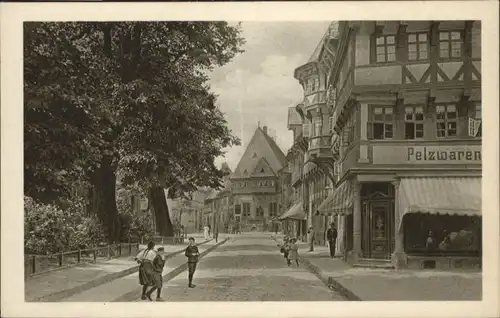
<point x="260" y="146"/>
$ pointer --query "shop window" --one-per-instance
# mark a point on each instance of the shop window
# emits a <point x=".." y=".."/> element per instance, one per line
<point x="446" y="121"/>
<point x="385" y="48"/>
<point x="426" y="234"/>
<point x="381" y="124"/>
<point x="414" y="122"/>
<point x="418" y="46"/>
<point x="450" y="44"/>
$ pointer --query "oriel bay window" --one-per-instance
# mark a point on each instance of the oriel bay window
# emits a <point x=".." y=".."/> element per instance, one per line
<point x="446" y="121"/>
<point x="414" y="122"/>
<point x="418" y="46"/>
<point x="450" y="44"/>
<point x="385" y="48"/>
<point x="381" y="124"/>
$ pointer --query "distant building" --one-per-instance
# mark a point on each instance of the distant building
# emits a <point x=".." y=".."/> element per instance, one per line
<point x="187" y="211"/>
<point x="218" y="206"/>
<point x="255" y="183"/>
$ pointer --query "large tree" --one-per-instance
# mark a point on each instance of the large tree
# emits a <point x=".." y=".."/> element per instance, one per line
<point x="141" y="106"/>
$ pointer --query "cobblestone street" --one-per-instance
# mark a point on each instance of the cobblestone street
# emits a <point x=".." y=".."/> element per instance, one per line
<point x="249" y="267"/>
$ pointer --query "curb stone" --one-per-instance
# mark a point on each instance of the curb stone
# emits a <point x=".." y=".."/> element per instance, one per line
<point x="330" y="281"/>
<point x="96" y="282"/>
<point x="132" y="296"/>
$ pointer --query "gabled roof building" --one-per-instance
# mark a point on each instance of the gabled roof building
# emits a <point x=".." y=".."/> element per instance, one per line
<point x="255" y="182"/>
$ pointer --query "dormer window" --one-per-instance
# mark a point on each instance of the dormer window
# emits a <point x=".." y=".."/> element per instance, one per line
<point x="254" y="155"/>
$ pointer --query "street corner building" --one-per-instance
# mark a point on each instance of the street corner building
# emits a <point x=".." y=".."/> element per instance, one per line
<point x="254" y="194"/>
<point x="387" y="143"/>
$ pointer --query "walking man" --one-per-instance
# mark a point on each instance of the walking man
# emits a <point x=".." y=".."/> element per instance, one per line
<point x="310" y="234"/>
<point x="193" y="255"/>
<point x="331" y="236"/>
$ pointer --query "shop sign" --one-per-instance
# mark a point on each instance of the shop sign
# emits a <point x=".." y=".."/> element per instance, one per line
<point x="457" y="154"/>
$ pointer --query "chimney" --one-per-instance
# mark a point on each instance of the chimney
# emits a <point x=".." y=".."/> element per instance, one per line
<point x="264" y="129"/>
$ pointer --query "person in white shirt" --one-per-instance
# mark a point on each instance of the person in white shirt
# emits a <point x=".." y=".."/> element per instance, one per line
<point x="206" y="233"/>
<point x="145" y="258"/>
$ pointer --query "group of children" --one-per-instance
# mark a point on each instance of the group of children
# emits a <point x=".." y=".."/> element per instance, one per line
<point x="290" y="250"/>
<point x="151" y="268"/>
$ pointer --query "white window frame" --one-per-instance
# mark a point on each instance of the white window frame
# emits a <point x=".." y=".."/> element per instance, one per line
<point x="387" y="120"/>
<point x="382" y="47"/>
<point x="443" y="117"/>
<point x="420" y="41"/>
<point x="415" y="115"/>
<point x="451" y="42"/>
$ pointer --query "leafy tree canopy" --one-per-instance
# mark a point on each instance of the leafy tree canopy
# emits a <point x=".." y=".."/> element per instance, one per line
<point x="133" y="91"/>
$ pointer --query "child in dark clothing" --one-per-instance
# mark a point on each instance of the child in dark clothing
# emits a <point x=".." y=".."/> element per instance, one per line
<point x="193" y="255"/>
<point x="293" y="254"/>
<point x="158" y="264"/>
<point x="286" y="249"/>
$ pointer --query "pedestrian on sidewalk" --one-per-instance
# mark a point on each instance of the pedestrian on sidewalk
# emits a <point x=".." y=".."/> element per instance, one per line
<point x="206" y="232"/>
<point x="285" y="248"/>
<point x="331" y="236"/>
<point x="158" y="264"/>
<point x="310" y="238"/>
<point x="145" y="258"/>
<point x="293" y="254"/>
<point x="193" y="255"/>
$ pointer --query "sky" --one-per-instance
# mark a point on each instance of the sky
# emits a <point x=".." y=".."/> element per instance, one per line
<point x="258" y="85"/>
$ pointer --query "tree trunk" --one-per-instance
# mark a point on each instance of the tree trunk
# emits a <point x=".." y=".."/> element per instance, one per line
<point x="160" y="211"/>
<point x="104" y="199"/>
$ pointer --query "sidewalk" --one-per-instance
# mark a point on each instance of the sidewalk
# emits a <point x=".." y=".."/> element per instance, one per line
<point x="61" y="283"/>
<point x="392" y="285"/>
<point x="127" y="288"/>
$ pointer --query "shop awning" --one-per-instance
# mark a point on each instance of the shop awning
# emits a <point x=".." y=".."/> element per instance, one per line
<point x="340" y="201"/>
<point x="296" y="212"/>
<point x="440" y="195"/>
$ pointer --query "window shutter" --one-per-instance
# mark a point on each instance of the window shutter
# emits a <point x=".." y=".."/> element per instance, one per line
<point x="369" y="131"/>
<point x="471" y="127"/>
<point x="478" y="132"/>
